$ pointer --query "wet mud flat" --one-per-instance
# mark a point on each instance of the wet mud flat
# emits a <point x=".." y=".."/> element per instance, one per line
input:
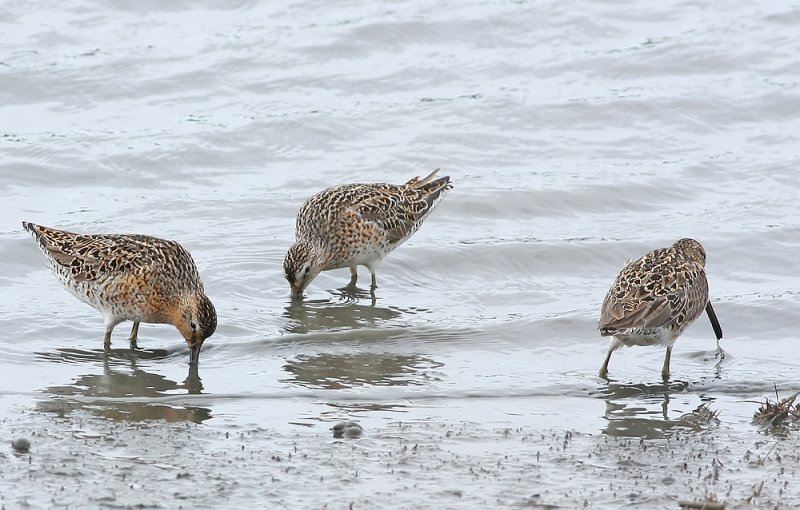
<point x="81" y="459"/>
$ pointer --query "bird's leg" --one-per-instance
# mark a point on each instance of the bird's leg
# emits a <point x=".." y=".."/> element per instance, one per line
<point x="615" y="344"/>
<point x="134" y="335"/>
<point x="110" y="324"/>
<point x="665" y="368"/>
<point x="374" y="283"/>
<point x="604" y="368"/>
<point x="353" y="276"/>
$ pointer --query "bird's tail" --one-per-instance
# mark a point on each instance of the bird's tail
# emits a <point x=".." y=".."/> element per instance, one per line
<point x="417" y="182"/>
<point x="36" y="232"/>
<point x="433" y="189"/>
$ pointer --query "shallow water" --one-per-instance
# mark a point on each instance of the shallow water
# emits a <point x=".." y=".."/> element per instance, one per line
<point x="577" y="136"/>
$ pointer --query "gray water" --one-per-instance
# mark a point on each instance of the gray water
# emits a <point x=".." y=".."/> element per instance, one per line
<point x="578" y="135"/>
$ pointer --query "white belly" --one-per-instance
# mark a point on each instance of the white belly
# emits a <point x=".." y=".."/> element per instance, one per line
<point x="646" y="337"/>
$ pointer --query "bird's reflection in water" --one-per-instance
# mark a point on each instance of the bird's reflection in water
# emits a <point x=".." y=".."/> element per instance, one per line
<point x="120" y="378"/>
<point x="347" y="409"/>
<point x="643" y="410"/>
<point x="347" y="310"/>
<point x="353" y="294"/>
<point x="340" y="371"/>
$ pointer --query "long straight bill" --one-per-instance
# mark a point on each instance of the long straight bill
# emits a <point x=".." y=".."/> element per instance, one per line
<point x="714" y="321"/>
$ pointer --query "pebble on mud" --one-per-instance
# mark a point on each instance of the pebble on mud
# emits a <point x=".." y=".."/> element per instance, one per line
<point x="347" y="429"/>
<point x="21" y="445"/>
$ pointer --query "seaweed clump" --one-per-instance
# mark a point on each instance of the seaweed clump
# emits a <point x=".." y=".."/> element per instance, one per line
<point x="778" y="414"/>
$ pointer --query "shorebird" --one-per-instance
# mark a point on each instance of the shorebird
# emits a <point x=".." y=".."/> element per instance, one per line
<point x="358" y="224"/>
<point x="655" y="298"/>
<point x="131" y="277"/>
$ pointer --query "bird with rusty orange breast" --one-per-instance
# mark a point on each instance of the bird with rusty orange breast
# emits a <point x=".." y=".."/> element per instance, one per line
<point x="131" y="277"/>
<point x="655" y="298"/>
<point x="358" y="224"/>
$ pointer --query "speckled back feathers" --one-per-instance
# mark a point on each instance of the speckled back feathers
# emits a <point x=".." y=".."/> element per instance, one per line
<point x="395" y="210"/>
<point x="82" y="257"/>
<point x="667" y="288"/>
<point x="352" y="224"/>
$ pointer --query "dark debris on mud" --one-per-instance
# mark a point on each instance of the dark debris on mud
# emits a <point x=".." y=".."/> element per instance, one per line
<point x="401" y="465"/>
<point x="780" y="415"/>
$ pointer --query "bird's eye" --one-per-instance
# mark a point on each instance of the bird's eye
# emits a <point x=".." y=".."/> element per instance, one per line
<point x="308" y="269"/>
<point x="192" y="325"/>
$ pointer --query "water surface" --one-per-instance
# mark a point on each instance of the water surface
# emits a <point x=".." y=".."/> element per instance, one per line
<point x="577" y="136"/>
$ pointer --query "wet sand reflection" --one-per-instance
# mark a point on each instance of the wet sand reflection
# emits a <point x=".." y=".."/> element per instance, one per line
<point x="341" y="371"/>
<point x="121" y="378"/>
<point x="344" y="312"/>
<point x="648" y="410"/>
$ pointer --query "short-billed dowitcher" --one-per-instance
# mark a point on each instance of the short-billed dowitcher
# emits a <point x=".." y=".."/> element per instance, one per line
<point x="655" y="298"/>
<point x="131" y="277"/>
<point x="358" y="224"/>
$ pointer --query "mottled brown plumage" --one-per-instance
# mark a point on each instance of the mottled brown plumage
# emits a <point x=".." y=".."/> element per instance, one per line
<point x="655" y="298"/>
<point x="131" y="277"/>
<point x="358" y="224"/>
